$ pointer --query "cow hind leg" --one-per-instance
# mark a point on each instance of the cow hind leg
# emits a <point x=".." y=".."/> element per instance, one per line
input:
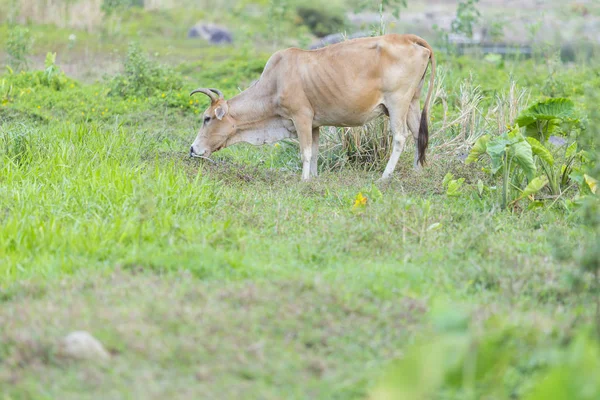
<point x="398" y="117"/>
<point x="315" y="152"/>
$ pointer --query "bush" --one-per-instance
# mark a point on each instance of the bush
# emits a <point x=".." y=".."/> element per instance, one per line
<point x="113" y="6"/>
<point x="51" y="77"/>
<point x="143" y="77"/>
<point x="18" y="48"/>
<point x="319" y="22"/>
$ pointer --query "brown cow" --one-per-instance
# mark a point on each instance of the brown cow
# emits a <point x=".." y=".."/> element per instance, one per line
<point x="345" y="84"/>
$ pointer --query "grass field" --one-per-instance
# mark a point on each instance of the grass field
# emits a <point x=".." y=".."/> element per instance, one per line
<point x="234" y="279"/>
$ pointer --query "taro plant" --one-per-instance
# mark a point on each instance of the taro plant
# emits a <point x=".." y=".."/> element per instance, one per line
<point x="548" y="125"/>
<point x="511" y="156"/>
<point x="453" y="186"/>
<point x="548" y="117"/>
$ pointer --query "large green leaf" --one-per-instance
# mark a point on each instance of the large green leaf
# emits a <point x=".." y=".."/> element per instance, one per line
<point x="520" y="153"/>
<point x="534" y="186"/>
<point x="539" y="150"/>
<point x="478" y="149"/>
<point x="496" y="149"/>
<point x="548" y="110"/>
<point x="544" y="117"/>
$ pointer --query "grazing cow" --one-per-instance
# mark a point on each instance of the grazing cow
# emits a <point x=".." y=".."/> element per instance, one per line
<point x="345" y="84"/>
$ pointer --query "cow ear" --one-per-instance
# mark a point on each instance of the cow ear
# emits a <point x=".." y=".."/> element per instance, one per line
<point x="221" y="110"/>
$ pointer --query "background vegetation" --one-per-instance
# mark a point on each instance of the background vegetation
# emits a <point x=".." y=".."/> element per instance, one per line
<point x="476" y="278"/>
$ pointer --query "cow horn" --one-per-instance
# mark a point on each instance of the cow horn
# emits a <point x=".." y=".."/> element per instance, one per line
<point x="217" y="91"/>
<point x="208" y="92"/>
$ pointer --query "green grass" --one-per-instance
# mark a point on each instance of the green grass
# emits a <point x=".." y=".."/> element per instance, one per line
<point x="236" y="279"/>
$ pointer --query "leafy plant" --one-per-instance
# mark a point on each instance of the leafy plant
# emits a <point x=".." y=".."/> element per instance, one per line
<point x="454" y="362"/>
<point x="278" y="13"/>
<point x="321" y="23"/>
<point x="392" y="6"/>
<point x="552" y="116"/>
<point x="558" y="117"/>
<point x="576" y="377"/>
<point x="467" y="16"/>
<point x="511" y="156"/>
<point x="52" y="76"/>
<point x="452" y="185"/>
<point x="18" y="47"/>
<point x="143" y="77"/>
<point x="115" y="6"/>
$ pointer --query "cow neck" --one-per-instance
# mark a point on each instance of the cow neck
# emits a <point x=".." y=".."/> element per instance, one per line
<point x="252" y="108"/>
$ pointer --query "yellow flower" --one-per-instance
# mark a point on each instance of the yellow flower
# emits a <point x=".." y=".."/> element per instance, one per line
<point x="163" y="95"/>
<point x="360" y="200"/>
<point x="191" y="102"/>
<point x="93" y="109"/>
<point x="39" y="107"/>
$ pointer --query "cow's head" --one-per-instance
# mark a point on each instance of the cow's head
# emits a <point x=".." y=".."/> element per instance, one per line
<point x="217" y="125"/>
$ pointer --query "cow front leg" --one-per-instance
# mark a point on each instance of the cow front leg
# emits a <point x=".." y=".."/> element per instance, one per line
<point x="315" y="152"/>
<point x="304" y="130"/>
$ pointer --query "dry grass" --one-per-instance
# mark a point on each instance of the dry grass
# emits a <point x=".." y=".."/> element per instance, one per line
<point x="85" y="15"/>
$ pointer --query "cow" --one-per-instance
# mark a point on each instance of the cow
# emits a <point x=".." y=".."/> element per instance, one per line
<point x="345" y="84"/>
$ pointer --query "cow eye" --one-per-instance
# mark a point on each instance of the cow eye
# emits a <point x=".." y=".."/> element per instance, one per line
<point x="206" y="120"/>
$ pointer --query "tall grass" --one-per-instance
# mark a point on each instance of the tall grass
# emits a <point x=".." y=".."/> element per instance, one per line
<point x="84" y="192"/>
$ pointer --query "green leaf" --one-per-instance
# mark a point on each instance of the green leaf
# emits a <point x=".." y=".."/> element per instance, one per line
<point x="548" y="110"/>
<point x="534" y="186"/>
<point x="522" y="155"/>
<point x="539" y="150"/>
<point x="480" y="187"/>
<point x="497" y="151"/>
<point x="544" y="117"/>
<point x="478" y="149"/>
<point x="454" y="187"/>
<point x="447" y="178"/>
<point x="571" y="150"/>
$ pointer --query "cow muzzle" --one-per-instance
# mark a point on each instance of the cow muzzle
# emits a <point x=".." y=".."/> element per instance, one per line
<point x="199" y="153"/>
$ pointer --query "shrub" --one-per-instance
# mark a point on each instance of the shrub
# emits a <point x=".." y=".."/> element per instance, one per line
<point x="320" y="23"/>
<point x="18" y="47"/>
<point x="115" y="6"/>
<point x="143" y="77"/>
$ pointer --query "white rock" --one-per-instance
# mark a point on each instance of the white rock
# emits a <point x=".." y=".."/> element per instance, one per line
<point x="83" y="346"/>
